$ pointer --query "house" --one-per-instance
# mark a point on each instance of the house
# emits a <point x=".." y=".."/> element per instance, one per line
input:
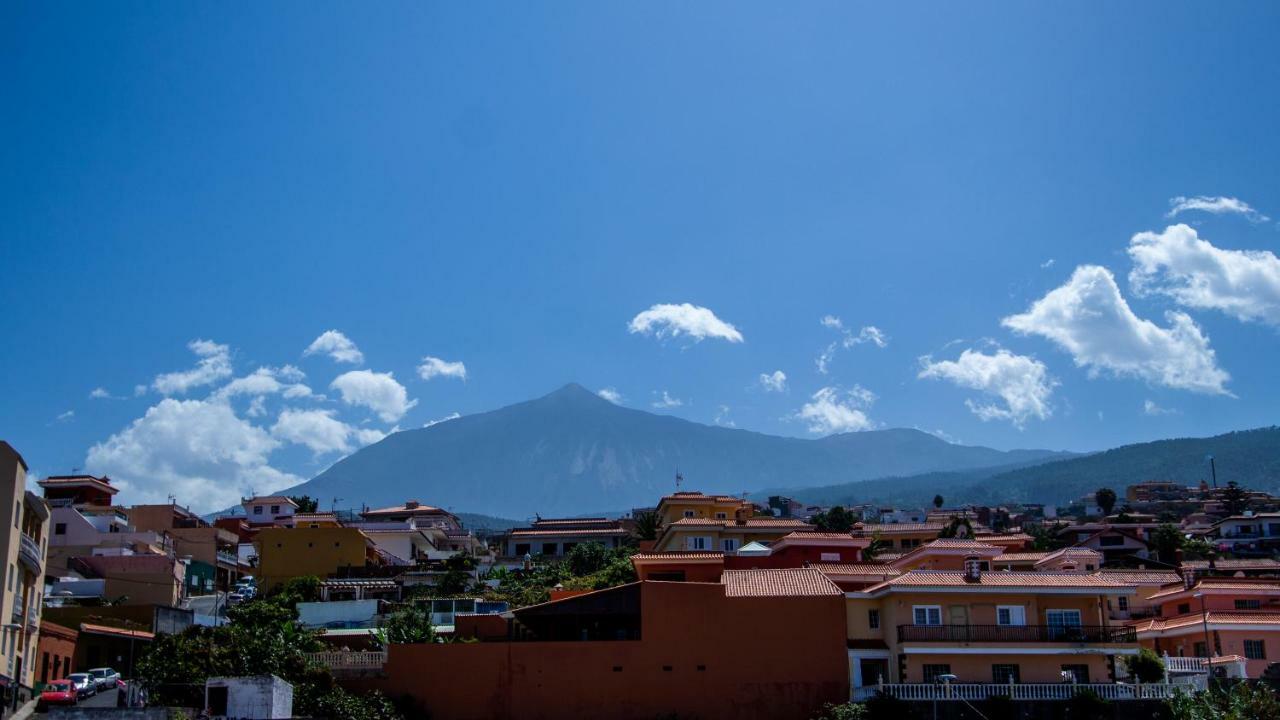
<point x="406" y="542"/>
<point x="25" y="548"/>
<point x="1118" y="543"/>
<point x="695" y="505"/>
<point x="1217" y="617"/>
<point x="1250" y="531"/>
<point x="192" y="537"/>
<point x="84" y="522"/>
<point x="257" y="696"/>
<point x="55" y="652"/>
<point x="108" y="646"/>
<point x="759" y="644"/>
<point x="555" y="537"/>
<point x="1145" y="584"/>
<point x="1078" y="559"/>
<point x="137" y="579"/>
<point x="901" y="535"/>
<point x="285" y="553"/>
<point x="726" y="535"/>
<point x="458" y="538"/>
<point x="267" y="509"/>
<point x="984" y="627"/>
<point x="1238" y="567"/>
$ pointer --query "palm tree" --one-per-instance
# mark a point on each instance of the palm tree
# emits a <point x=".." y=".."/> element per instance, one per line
<point x="648" y="524"/>
<point x="937" y="501"/>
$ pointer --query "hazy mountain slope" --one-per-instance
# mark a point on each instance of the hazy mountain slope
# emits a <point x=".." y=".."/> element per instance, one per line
<point x="1249" y="457"/>
<point x="572" y="452"/>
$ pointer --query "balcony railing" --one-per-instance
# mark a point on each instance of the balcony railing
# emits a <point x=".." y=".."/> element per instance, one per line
<point x="229" y="558"/>
<point x="29" y="554"/>
<point x="1017" y="633"/>
<point x="1021" y="691"/>
<point x="349" y="660"/>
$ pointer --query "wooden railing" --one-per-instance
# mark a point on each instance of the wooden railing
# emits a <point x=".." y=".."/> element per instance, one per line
<point x="1017" y="633"/>
<point x="349" y="660"/>
<point x="1024" y="691"/>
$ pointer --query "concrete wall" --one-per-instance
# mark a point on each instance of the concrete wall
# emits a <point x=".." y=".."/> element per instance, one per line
<point x="285" y="553"/>
<point x="701" y="655"/>
<point x="259" y="697"/>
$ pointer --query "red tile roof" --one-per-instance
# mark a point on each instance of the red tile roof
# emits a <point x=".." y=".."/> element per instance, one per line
<point x="1215" y="617"/>
<point x="779" y="523"/>
<point x="890" y="528"/>
<point x="527" y="532"/>
<point x="1241" y="564"/>
<point x="1241" y="585"/>
<point x="1144" y="577"/>
<point x="676" y="556"/>
<point x="118" y="632"/>
<point x="856" y="569"/>
<point x="1020" y="557"/>
<point x="790" y="582"/>
<point x="1000" y="578"/>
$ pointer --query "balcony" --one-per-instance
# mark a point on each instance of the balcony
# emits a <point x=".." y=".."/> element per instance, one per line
<point x="969" y="692"/>
<point x="1017" y="633"/>
<point x="228" y="558"/>
<point x="348" y="660"/>
<point x="29" y="554"/>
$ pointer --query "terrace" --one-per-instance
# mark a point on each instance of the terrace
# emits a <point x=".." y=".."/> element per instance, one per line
<point x="1017" y="633"/>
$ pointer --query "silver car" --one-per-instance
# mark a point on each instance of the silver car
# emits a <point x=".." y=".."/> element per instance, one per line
<point x="84" y="684"/>
<point x="104" y="678"/>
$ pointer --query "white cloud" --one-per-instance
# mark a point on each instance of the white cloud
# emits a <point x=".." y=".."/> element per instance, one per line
<point x="337" y="346"/>
<point x="446" y="418"/>
<point x="1216" y="205"/>
<point x="1021" y="382"/>
<point x="666" y="401"/>
<point x="1047" y="264"/>
<point x="214" y="365"/>
<point x="317" y="429"/>
<point x="722" y="417"/>
<point x="1089" y="318"/>
<point x="63" y="417"/>
<point x="379" y="392"/>
<point x="369" y="436"/>
<point x="611" y="394"/>
<point x="832" y="411"/>
<point x="267" y="381"/>
<point x="1178" y="263"/>
<point x="867" y="334"/>
<point x="198" y="450"/>
<point x="435" y="367"/>
<point x="699" y="323"/>
<point x="1149" y="407"/>
<point x="257" y="407"/>
<point x="775" y="381"/>
<point x="101" y="393"/>
<point x="139" y="390"/>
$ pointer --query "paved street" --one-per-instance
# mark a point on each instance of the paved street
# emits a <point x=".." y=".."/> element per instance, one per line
<point x="206" y="604"/>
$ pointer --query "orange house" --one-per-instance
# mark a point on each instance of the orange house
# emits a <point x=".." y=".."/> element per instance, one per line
<point x="1218" y="617"/>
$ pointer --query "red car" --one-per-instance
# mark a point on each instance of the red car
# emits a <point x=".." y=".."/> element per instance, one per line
<point x="58" y="692"/>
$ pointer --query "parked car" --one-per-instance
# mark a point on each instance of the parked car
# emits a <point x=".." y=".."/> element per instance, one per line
<point x="235" y="598"/>
<point x="58" y="692"/>
<point x="84" y="684"/>
<point x="104" y="678"/>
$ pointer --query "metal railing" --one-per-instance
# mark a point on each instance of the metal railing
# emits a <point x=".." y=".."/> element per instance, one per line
<point x="349" y="660"/>
<point x="1017" y="633"/>
<point x="29" y="552"/>
<point x="1023" y="691"/>
<point x="227" y="557"/>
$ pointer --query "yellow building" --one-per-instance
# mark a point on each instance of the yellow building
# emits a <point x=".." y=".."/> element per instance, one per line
<point x="25" y="550"/>
<point x="985" y="627"/>
<point x="728" y="536"/>
<point x="285" y="553"/>
<point x="692" y="504"/>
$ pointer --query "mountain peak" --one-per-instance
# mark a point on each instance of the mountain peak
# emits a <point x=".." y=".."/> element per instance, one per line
<point x="573" y="392"/>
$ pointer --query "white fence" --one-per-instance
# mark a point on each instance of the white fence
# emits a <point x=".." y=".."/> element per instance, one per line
<point x="1185" y="664"/>
<point x="1024" y="691"/>
<point x="350" y="660"/>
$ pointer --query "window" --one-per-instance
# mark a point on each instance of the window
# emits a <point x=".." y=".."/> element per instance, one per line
<point x="1011" y="615"/>
<point x="59" y="528"/>
<point x="688" y="513"/>
<point x="1253" y="604"/>
<point x="1200" y="649"/>
<point x="1080" y="673"/>
<point x="1111" y="540"/>
<point x="1184" y="608"/>
<point x="931" y="672"/>
<point x="830" y="557"/>
<point x="927" y="614"/>
<point x="729" y="545"/>
<point x="1088" y="566"/>
<point x="548" y="548"/>
<point x="257" y="509"/>
<point x="722" y="516"/>
<point x="275" y="509"/>
<point x="1062" y="622"/>
<point x="873" y="619"/>
<point x="1123" y="603"/>
<point x="1255" y="650"/>
<point x="1004" y="673"/>
<point x="697" y="542"/>
<point x="522" y="549"/>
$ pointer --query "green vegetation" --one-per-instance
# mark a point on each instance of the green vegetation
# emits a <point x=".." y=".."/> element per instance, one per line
<point x="262" y="636"/>
<point x="648" y="524"/>
<point x="1105" y="498"/>
<point x="938" y="502"/>
<point x="409" y="624"/>
<point x="837" y="519"/>
<point x="1146" y="666"/>
<point x="1242" y="701"/>
<point x="1235" y="499"/>
<point x="954" y="528"/>
<point x="589" y="566"/>
<point x="843" y="711"/>
<point x="306" y="503"/>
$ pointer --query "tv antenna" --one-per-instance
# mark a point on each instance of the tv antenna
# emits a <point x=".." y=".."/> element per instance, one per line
<point x="679" y="478"/>
<point x="333" y="504"/>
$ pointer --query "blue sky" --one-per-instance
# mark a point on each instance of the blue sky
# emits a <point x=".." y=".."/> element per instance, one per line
<point x="991" y="189"/>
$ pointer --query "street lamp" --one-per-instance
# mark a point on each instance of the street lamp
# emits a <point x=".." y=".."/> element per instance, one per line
<point x="1204" y="618"/>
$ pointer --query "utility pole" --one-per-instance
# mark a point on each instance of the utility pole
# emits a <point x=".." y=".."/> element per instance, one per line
<point x="1213" y="469"/>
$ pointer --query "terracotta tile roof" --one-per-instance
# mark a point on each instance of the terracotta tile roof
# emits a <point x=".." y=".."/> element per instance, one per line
<point x="856" y="569"/>
<point x="1233" y="586"/>
<point x="818" y="536"/>
<point x="574" y="521"/>
<point x="270" y="499"/>
<point x="1002" y="537"/>
<point x="964" y="543"/>
<point x="888" y="528"/>
<point x="1243" y="564"/>
<point x="676" y="556"/>
<point x="118" y="632"/>
<point x="790" y="582"/>
<point x="695" y="497"/>
<point x="1001" y="578"/>
<point x="530" y="532"/>
<point x="780" y="523"/>
<point x="1144" y="577"/>
<point x="402" y="509"/>
<point x="311" y="517"/>
<point x="1215" y="617"/>
<point x="1019" y="557"/>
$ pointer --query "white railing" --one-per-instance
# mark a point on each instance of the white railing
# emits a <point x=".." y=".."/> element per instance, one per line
<point x="1024" y="691"/>
<point x="1185" y="664"/>
<point x="349" y="660"/>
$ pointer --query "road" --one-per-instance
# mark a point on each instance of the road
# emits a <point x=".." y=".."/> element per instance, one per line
<point x="205" y="604"/>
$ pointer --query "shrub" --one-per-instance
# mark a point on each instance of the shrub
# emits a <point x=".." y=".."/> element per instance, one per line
<point x="844" y="711"/>
<point x="1146" y="666"/>
<point x="1087" y="705"/>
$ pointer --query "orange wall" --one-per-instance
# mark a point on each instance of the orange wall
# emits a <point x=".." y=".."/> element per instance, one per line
<point x="1031" y="668"/>
<point x="285" y="553"/>
<point x="727" y="658"/>
<point x="1231" y="641"/>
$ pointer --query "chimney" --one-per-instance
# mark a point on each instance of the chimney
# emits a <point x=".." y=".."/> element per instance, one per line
<point x="972" y="569"/>
<point x="411" y="504"/>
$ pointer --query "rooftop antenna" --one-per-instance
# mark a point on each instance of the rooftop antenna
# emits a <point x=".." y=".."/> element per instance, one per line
<point x="333" y="504"/>
<point x="75" y="471"/>
<point x="679" y="478"/>
<point x="1213" y="469"/>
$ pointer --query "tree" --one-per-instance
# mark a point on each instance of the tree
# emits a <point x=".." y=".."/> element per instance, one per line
<point x="837" y="520"/>
<point x="1105" y="498"/>
<point x="1243" y="701"/>
<point x="587" y="558"/>
<point x="459" y="571"/>
<point x="647" y="525"/>
<point x="938" y="501"/>
<point x="1146" y="666"/>
<point x="959" y="527"/>
<point x="306" y="503"/>
<point x="843" y="711"/>
<point x="1235" y="499"/>
<point x="410" y="624"/>
<point x="1167" y="540"/>
<point x="875" y="547"/>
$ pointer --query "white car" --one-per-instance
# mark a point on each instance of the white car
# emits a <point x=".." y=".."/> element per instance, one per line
<point x="104" y="678"/>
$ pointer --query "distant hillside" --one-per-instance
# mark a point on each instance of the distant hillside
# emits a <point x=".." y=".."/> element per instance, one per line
<point x="474" y="521"/>
<point x="572" y="452"/>
<point x="1249" y="457"/>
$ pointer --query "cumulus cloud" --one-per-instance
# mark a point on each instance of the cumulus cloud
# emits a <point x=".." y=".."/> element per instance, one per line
<point x="1149" y="407"/>
<point x="848" y="338"/>
<point x="446" y="418"/>
<point x="101" y="393"/>
<point x="198" y="450"/>
<point x="268" y="381"/>
<point x="1244" y="284"/>
<point x="1216" y="205"/>
<point x="831" y="410"/>
<point x="1022" y="383"/>
<point x="1089" y="319"/>
<point x="432" y="367"/>
<point x="337" y="346"/>
<point x="379" y="392"/>
<point x="666" y="401"/>
<point x="699" y="323"/>
<point x="611" y="394"/>
<point x="316" y="429"/>
<point x="214" y="365"/>
<point x="775" y="381"/>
